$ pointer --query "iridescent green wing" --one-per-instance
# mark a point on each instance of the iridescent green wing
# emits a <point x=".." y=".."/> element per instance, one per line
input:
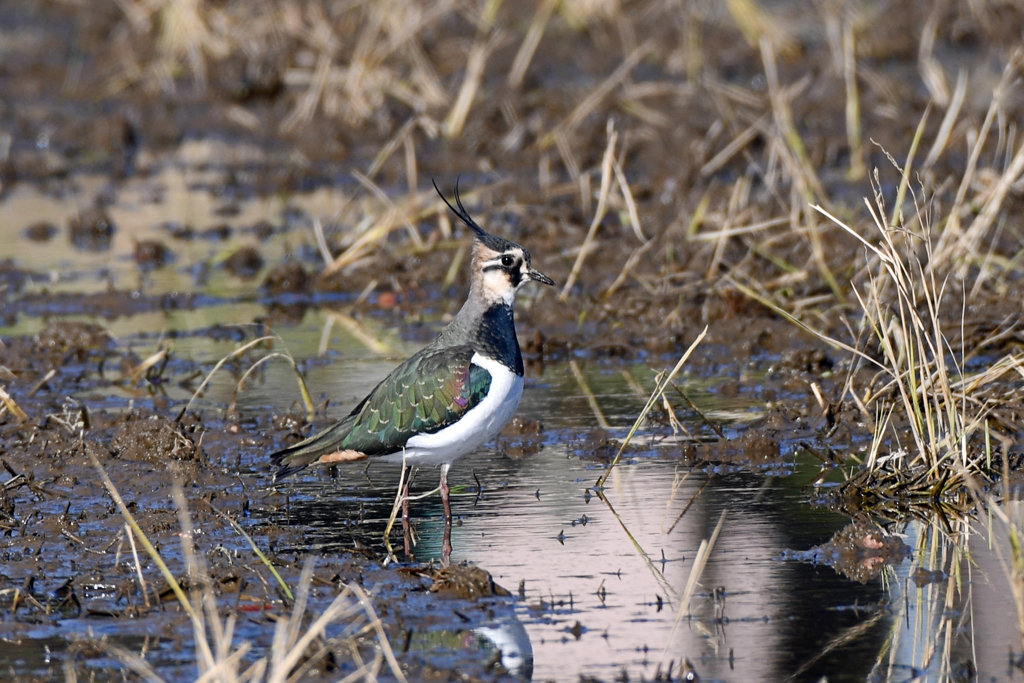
<point x="425" y="394"/>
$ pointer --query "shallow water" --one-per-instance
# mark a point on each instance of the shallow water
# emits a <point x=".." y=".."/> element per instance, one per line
<point x="602" y="594"/>
<point x="601" y="577"/>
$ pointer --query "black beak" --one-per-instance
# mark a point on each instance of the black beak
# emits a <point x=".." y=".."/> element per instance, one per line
<point x="538" y="276"/>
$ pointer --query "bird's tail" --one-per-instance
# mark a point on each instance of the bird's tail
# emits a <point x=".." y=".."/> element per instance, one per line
<point x="295" y="458"/>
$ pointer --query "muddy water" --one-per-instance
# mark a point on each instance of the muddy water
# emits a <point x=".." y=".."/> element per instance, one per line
<point x="790" y="591"/>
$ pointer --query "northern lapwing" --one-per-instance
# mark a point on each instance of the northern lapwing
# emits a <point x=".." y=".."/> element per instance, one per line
<point x="453" y="396"/>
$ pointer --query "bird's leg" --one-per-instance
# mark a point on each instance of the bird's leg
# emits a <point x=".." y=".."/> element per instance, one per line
<point x="446" y="546"/>
<point x="445" y="499"/>
<point x="406" y="477"/>
<point x="407" y="537"/>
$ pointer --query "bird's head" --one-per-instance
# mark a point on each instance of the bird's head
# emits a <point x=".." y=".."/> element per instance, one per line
<point x="500" y="267"/>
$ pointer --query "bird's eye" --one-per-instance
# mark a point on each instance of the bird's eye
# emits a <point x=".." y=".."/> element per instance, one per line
<point x="507" y="261"/>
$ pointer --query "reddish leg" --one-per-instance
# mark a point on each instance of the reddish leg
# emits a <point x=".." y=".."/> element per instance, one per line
<point x="407" y="538"/>
<point x="446" y="547"/>
<point x="406" y="529"/>
<point x="406" y="477"/>
<point x="445" y="499"/>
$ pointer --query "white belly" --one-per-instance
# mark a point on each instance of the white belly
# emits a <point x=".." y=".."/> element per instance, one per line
<point x="478" y="426"/>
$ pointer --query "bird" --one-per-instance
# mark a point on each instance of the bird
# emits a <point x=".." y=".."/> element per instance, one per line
<point x="451" y="397"/>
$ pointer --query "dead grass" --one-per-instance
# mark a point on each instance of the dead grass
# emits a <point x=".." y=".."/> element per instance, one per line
<point x="296" y="647"/>
<point x="407" y="74"/>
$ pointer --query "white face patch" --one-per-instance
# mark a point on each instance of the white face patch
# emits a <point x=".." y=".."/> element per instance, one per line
<point x="501" y="274"/>
<point x="497" y="286"/>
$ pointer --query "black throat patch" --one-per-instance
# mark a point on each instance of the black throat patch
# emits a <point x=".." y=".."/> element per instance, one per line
<point x="496" y="338"/>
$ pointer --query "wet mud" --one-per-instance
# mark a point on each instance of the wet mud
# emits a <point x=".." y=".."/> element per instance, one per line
<point x="190" y="218"/>
<point x="69" y="559"/>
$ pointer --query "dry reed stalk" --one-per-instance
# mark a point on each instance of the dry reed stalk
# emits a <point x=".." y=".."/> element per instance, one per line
<point x="130" y="519"/>
<point x="431" y="91"/>
<point x="765" y="300"/>
<point x="914" y="347"/>
<point x="627" y="269"/>
<point x="597" y="95"/>
<point x="627" y="195"/>
<point x="209" y="660"/>
<point x="395" y="507"/>
<point x="1007" y="82"/>
<point x="659" y="390"/>
<point x="133" y="661"/>
<point x="321" y="242"/>
<point x="368" y="238"/>
<point x="739" y="188"/>
<point x="806" y="184"/>
<point x="186" y="33"/>
<point x="142" y="368"/>
<point x="969" y="243"/>
<point x="375" y="189"/>
<point x="11" y="405"/>
<point x="756" y="24"/>
<point x="389" y="148"/>
<point x="897" y="218"/>
<point x="942" y="137"/>
<point x="602" y="208"/>
<point x="853" y="125"/>
<point x="39" y="383"/>
<point x="487" y="40"/>
<point x="411" y="172"/>
<point x="699" y="215"/>
<point x="254" y="367"/>
<point x="693" y="406"/>
<point x="931" y="69"/>
<point x="138" y="565"/>
<point x="360" y="333"/>
<point x="307" y="104"/>
<point x="735" y="93"/>
<point x="807" y="176"/>
<point x="572" y="165"/>
<point x="533" y="35"/>
<point x="735" y="146"/>
<point x="582" y="180"/>
<point x="716" y="235"/>
<point x="455" y="268"/>
<point x="475" y="65"/>
<point x="357" y="89"/>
